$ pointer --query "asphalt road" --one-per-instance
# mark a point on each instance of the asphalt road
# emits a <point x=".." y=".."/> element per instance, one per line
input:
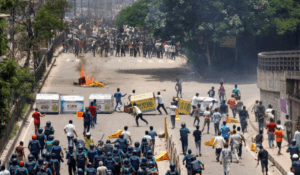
<point x="143" y="75"/>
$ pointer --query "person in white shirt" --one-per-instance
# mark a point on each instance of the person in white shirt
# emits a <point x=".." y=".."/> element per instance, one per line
<point x="297" y="136"/>
<point x="173" y="113"/>
<point x="269" y="113"/>
<point x="218" y="144"/>
<point x="279" y="125"/>
<point x="126" y="134"/>
<point x="195" y="101"/>
<point x="111" y="44"/>
<point x="160" y="103"/>
<point x="70" y="131"/>
<point x="292" y="171"/>
<point x="139" y="114"/>
<point x="101" y="170"/>
<point x="148" y="137"/>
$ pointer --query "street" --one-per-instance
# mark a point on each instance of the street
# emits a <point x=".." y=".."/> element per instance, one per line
<point x="143" y="75"/>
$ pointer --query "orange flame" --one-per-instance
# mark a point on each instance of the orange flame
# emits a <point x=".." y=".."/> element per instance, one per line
<point x="82" y="73"/>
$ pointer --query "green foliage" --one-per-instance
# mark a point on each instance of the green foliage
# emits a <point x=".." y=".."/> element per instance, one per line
<point x="134" y="15"/>
<point x="12" y="79"/>
<point x="48" y="19"/>
<point x="5" y="6"/>
<point x="286" y="15"/>
<point x="14" y="131"/>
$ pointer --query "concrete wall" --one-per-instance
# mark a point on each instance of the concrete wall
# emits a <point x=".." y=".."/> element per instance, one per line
<point x="272" y="98"/>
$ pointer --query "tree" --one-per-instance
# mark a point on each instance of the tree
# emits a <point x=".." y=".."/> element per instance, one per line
<point x="12" y="79"/>
<point x="5" y="6"/>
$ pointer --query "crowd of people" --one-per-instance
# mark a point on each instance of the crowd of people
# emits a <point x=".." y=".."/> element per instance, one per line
<point x="96" y="38"/>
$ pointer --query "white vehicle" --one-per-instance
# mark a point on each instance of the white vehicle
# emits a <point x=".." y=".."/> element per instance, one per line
<point x="206" y="102"/>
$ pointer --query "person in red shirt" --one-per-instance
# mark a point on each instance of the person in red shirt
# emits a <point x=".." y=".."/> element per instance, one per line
<point x="93" y="111"/>
<point x="279" y="135"/>
<point x="37" y="115"/>
<point x="271" y="129"/>
<point x="232" y="104"/>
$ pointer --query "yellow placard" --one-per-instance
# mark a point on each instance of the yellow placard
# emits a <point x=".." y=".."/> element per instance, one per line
<point x="162" y="156"/>
<point x="253" y="147"/>
<point x="231" y="120"/>
<point x="115" y="135"/>
<point x="184" y="106"/>
<point x="145" y="102"/>
<point x="177" y="115"/>
<point x="210" y="142"/>
<point x="79" y="115"/>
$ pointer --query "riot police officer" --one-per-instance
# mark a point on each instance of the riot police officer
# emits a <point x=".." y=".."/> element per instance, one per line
<point x="172" y="170"/>
<point x="127" y="167"/>
<point x="110" y="163"/>
<point x="144" y="164"/>
<point x="145" y="146"/>
<point x="49" y="130"/>
<point x="57" y="150"/>
<point x="108" y="147"/>
<point x="196" y="166"/>
<point x="56" y="164"/>
<point x="129" y="152"/>
<point x="137" y="148"/>
<point x="49" y="143"/>
<point x="90" y="170"/>
<point x="151" y="169"/>
<point x="71" y="160"/>
<point x="80" y="172"/>
<point x="49" y="162"/>
<point x="13" y="156"/>
<point x="41" y="137"/>
<point x="99" y="157"/>
<point x="135" y="160"/>
<point x="92" y="152"/>
<point x="124" y="143"/>
<point x="80" y="158"/>
<point x="293" y="149"/>
<point x="12" y="168"/>
<point x="188" y="158"/>
<point x="184" y="137"/>
<point x="120" y="152"/>
<point x="150" y="158"/>
<point x="31" y="164"/>
<point x="118" y="159"/>
<point x="34" y="147"/>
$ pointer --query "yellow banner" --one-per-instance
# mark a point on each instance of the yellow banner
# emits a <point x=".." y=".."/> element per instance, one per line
<point x="145" y="102"/>
<point x="184" y="106"/>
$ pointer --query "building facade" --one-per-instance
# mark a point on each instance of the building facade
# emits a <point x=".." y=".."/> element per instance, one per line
<point x="278" y="78"/>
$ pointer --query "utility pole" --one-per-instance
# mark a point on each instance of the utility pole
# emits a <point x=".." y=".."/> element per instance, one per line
<point x="81" y="9"/>
<point x="74" y="8"/>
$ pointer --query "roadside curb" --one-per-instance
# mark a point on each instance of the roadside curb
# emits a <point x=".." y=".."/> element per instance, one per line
<point x="12" y="143"/>
<point x="270" y="157"/>
<point x="191" y="66"/>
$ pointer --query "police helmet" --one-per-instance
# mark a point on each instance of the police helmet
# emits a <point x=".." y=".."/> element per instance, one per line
<point x="100" y="141"/>
<point x="80" y="148"/>
<point x="92" y="146"/>
<point x="295" y="156"/>
<point x="144" y="140"/>
<point x="40" y="161"/>
<point x="115" y="151"/>
<point x="108" y="155"/>
<point x="144" y="159"/>
<point x="293" y="142"/>
<point x="50" y="137"/>
<point x="194" y="158"/>
<point x="137" y="144"/>
<point x="21" y="163"/>
<point x="44" y="153"/>
<point x="75" y="140"/>
<point x="14" y="161"/>
<point x="150" y="164"/>
<point x="183" y="125"/>
<point x="34" y="137"/>
<point x="48" y="156"/>
<point x="40" y="130"/>
<point x="89" y="164"/>
<point x="88" y="134"/>
<point x="14" y="155"/>
<point x="190" y="151"/>
<point x="117" y="145"/>
<point x="149" y="153"/>
<point x="80" y="171"/>
<point x="48" y="123"/>
<point x="71" y="147"/>
<point x="30" y="157"/>
<point x="56" y="142"/>
<point x="130" y="149"/>
<point x="140" y="172"/>
<point x="135" y="152"/>
<point x="107" y="141"/>
<point x="99" y="151"/>
<point x="172" y="166"/>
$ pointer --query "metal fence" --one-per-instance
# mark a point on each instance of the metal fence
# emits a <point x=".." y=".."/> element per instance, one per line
<point x="16" y="112"/>
<point x="279" y="61"/>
